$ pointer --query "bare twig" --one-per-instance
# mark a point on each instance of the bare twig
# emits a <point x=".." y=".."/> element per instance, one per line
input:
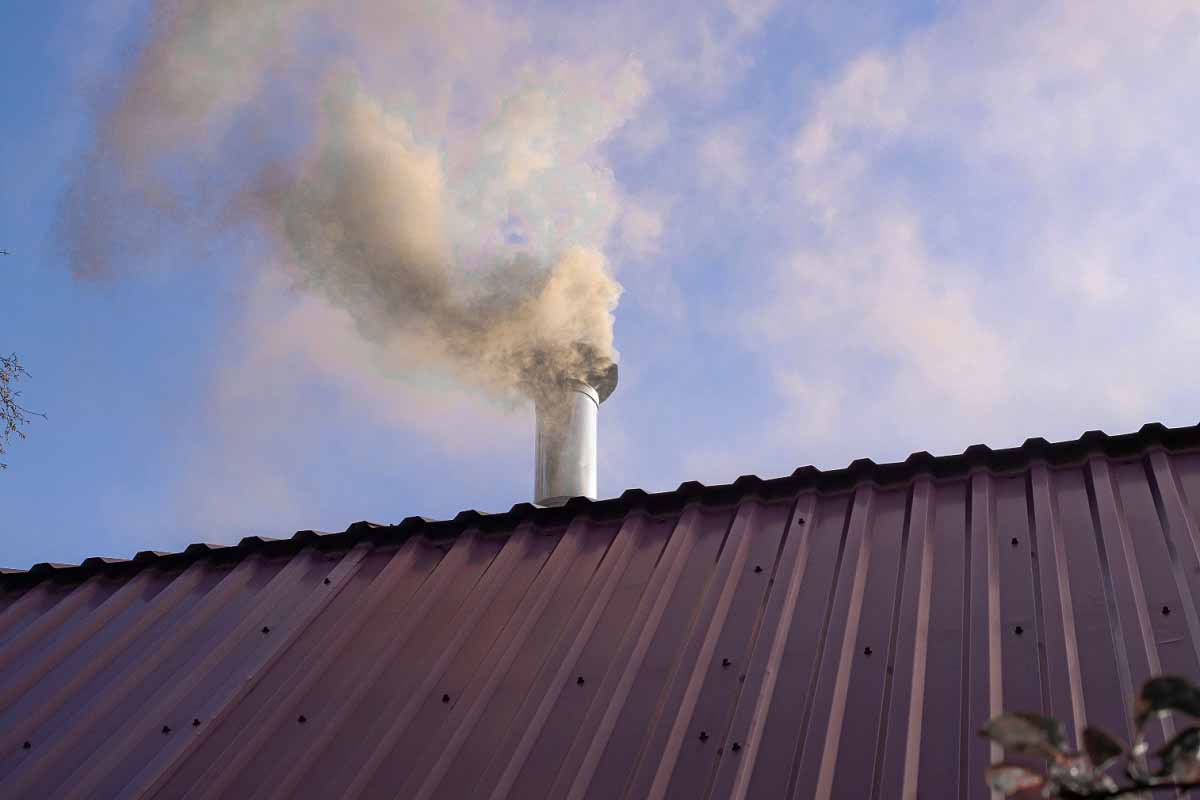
<point x="13" y="415"/>
<point x="1139" y="788"/>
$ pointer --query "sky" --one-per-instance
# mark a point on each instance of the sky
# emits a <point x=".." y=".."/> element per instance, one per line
<point x="840" y="233"/>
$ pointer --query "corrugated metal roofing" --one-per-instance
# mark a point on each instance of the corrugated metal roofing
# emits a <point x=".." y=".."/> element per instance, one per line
<point x="830" y="634"/>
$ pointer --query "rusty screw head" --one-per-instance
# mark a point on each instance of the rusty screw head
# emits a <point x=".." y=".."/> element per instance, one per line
<point x="196" y="723"/>
<point x="166" y="728"/>
<point x="757" y="568"/>
<point x="302" y="719"/>
<point x="704" y="736"/>
<point x="736" y="747"/>
<point x="1166" y="610"/>
<point x="26" y="746"/>
<point x="725" y="662"/>
<point x="1015" y="541"/>
<point x="327" y="581"/>
<point x="579" y="681"/>
<point x="867" y="651"/>
<point x="1018" y="630"/>
<point x="266" y="628"/>
<point x="445" y="698"/>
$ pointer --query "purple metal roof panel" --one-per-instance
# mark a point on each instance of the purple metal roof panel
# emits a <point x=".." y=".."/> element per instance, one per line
<point x="830" y="634"/>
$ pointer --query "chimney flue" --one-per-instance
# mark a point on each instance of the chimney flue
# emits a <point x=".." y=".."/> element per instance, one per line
<point x="566" y="438"/>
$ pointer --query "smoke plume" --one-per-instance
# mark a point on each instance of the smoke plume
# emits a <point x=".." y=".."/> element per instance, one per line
<point x="446" y="192"/>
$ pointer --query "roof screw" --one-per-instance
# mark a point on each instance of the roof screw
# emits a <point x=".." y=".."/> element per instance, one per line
<point x="725" y="662"/>
<point x="703" y="736"/>
<point x="327" y="581"/>
<point x="867" y="651"/>
<point x="302" y="719"/>
<point x="266" y="629"/>
<point x="579" y="681"/>
<point x="1019" y="630"/>
<point x="1015" y="541"/>
<point x="166" y="728"/>
<point x="26" y="746"/>
<point x="1166" y="610"/>
<point x="736" y="747"/>
<point x="195" y="723"/>
<point x="445" y="698"/>
<point x="757" y="568"/>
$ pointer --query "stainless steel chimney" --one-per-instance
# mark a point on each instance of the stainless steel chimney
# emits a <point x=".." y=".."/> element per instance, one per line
<point x="566" y="439"/>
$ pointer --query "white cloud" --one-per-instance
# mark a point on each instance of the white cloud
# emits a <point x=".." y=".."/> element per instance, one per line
<point x="813" y="407"/>
<point x="1004" y="207"/>
<point x="646" y="133"/>
<point x="641" y="228"/>
<point x="722" y="160"/>
<point x="750" y="14"/>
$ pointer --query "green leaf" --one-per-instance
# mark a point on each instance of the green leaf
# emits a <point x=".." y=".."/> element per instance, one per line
<point x="1101" y="747"/>
<point x="1165" y="694"/>
<point x="1181" y="757"/>
<point x="1009" y="779"/>
<point x="1030" y="733"/>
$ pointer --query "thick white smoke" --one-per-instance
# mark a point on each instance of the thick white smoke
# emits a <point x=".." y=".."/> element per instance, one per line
<point x="450" y="198"/>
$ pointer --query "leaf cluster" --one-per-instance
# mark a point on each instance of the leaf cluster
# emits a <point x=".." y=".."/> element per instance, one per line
<point x="1084" y="776"/>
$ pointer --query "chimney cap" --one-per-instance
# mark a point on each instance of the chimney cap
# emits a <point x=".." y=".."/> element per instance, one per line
<point x="604" y="381"/>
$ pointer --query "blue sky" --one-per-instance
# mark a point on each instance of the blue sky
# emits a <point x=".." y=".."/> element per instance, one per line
<point x="840" y="234"/>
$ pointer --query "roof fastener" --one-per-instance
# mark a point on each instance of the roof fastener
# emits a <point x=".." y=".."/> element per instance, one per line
<point x="266" y="629"/>
<point x="1018" y="630"/>
<point x="1015" y="541"/>
<point x="867" y="651"/>
<point x="302" y="719"/>
<point x="725" y="662"/>
<point x="579" y="681"/>
<point x="26" y="746"/>
<point x="195" y="723"/>
<point x="800" y="521"/>
<point x="704" y="736"/>
<point x="1166" y="610"/>
<point x="757" y="568"/>
<point x="445" y="698"/>
<point x="736" y="747"/>
<point x="327" y="581"/>
<point x="166" y="728"/>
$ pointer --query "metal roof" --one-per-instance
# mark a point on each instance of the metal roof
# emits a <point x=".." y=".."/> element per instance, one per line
<point x="828" y="634"/>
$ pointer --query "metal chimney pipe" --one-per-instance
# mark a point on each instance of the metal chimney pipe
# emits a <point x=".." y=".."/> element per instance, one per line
<point x="566" y="439"/>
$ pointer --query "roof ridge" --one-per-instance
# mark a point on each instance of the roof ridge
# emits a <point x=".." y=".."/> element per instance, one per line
<point x="861" y="470"/>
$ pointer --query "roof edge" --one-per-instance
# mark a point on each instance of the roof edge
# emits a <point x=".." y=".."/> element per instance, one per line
<point x="975" y="457"/>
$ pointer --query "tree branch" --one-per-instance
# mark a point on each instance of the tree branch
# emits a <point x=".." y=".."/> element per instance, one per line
<point x="1135" y="789"/>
